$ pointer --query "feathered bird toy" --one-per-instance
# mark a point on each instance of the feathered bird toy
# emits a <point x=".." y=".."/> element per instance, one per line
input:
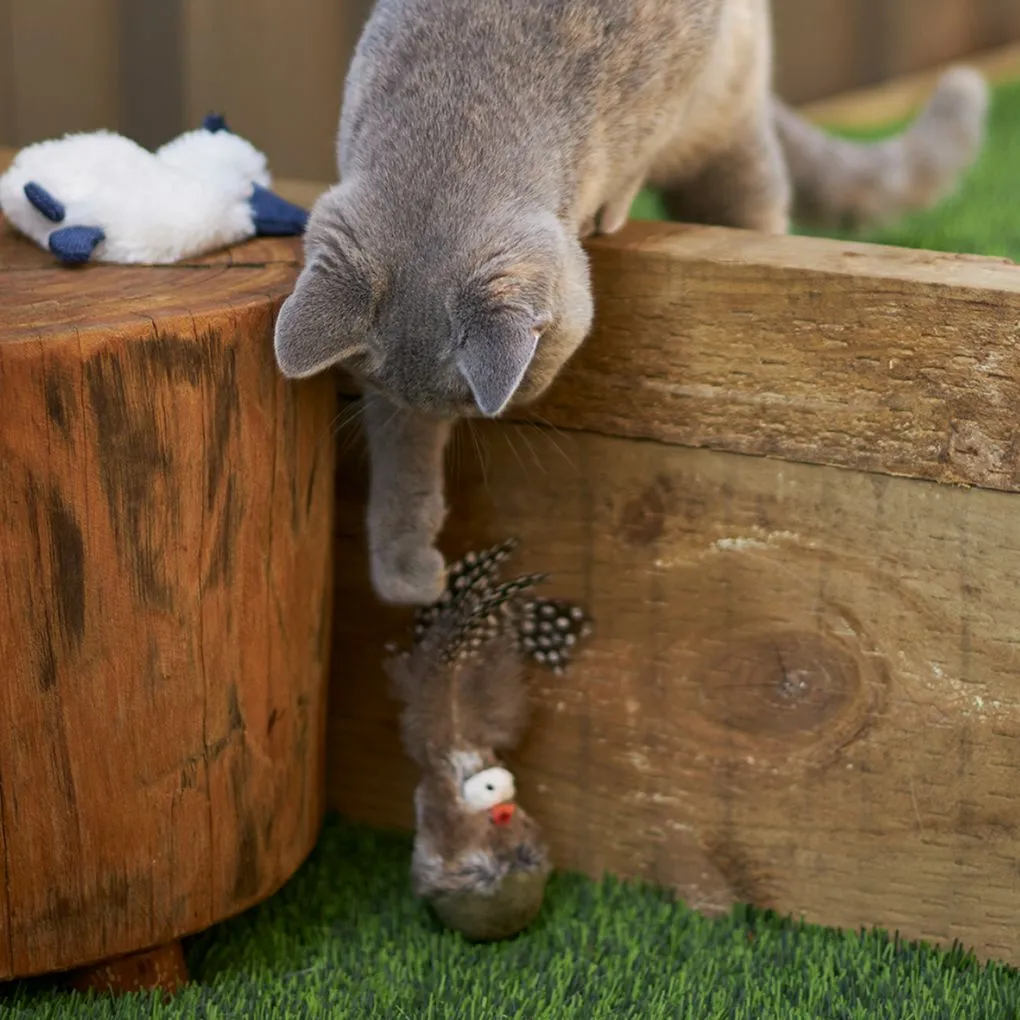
<point x="478" y="859"/>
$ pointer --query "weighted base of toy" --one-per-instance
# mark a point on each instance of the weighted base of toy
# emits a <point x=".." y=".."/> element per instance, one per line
<point x="501" y="915"/>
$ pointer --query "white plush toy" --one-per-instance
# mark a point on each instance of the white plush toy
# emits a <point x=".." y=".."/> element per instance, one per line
<point x="101" y="196"/>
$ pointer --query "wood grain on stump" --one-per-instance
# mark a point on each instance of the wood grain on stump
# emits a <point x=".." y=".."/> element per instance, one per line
<point x="166" y="506"/>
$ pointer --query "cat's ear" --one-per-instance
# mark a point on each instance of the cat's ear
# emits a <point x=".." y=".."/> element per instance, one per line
<point x="321" y="324"/>
<point x="494" y="353"/>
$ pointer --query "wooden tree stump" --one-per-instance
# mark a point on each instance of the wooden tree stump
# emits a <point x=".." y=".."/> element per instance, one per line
<point x="166" y="516"/>
<point x="163" y="967"/>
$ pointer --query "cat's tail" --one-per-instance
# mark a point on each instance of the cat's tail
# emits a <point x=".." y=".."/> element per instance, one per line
<point x="840" y="183"/>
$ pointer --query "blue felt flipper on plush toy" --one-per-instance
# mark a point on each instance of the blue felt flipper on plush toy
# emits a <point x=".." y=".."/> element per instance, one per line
<point x="75" y="245"/>
<point x="274" y="216"/>
<point x="100" y="196"/>
<point x="72" y="245"/>
<point x="215" y="122"/>
<point x="44" y="202"/>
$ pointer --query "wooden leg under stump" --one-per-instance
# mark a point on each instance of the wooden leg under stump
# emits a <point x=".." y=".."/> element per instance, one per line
<point x="160" y="968"/>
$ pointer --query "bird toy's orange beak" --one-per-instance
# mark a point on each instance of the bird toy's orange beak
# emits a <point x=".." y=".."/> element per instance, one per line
<point x="502" y="813"/>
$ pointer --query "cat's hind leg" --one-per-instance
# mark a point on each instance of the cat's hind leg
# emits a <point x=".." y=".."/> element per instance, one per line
<point x="744" y="185"/>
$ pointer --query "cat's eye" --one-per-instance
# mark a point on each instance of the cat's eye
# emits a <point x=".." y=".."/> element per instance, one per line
<point x="488" y="788"/>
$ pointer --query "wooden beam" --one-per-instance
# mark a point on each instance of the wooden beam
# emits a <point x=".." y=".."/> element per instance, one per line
<point x="276" y="71"/>
<point x="916" y="35"/>
<point x="828" y="47"/>
<point x="883" y="359"/>
<point x="796" y="672"/>
<point x="817" y="47"/>
<point x="8" y="131"/>
<point x="64" y="67"/>
<point x="303" y="192"/>
<point x="151" y="37"/>
<point x="1000" y="20"/>
<point x="899" y="97"/>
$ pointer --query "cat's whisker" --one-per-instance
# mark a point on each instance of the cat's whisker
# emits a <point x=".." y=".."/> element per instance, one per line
<point x="480" y="451"/>
<point x="347" y="442"/>
<point x="548" y="430"/>
<point x="352" y="418"/>
<point x="507" y="433"/>
<point x="352" y="433"/>
<point x="454" y="451"/>
<point x="462" y="448"/>
<point x="534" y="454"/>
<point x="345" y="429"/>
<point x="347" y="414"/>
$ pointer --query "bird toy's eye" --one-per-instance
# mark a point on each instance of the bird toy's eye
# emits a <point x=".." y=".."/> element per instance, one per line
<point x="488" y="788"/>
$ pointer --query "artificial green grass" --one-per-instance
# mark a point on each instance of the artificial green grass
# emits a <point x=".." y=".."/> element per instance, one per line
<point x="346" y="938"/>
<point x="981" y="218"/>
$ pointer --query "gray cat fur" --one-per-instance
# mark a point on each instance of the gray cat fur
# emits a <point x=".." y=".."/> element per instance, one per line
<point x="481" y="140"/>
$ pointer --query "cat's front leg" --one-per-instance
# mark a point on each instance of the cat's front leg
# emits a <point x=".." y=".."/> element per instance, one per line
<point x="406" y="502"/>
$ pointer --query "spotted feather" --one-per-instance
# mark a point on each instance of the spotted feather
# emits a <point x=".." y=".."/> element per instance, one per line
<point x="476" y="607"/>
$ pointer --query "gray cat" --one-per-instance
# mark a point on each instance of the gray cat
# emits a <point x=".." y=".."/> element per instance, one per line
<point x="481" y="140"/>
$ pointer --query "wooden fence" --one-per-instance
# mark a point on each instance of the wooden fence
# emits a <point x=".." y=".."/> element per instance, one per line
<point x="150" y="68"/>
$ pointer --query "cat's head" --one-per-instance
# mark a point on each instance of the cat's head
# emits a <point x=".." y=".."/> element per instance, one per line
<point x="453" y="322"/>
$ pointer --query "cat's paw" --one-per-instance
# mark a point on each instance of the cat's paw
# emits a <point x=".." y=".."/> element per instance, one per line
<point x="409" y="574"/>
